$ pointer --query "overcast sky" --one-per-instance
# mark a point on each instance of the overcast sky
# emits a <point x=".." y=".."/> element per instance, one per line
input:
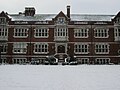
<point x="55" y="6"/>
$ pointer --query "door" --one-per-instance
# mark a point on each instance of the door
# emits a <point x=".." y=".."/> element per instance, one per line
<point x="61" y="49"/>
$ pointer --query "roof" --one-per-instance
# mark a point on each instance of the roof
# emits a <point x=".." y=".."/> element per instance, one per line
<point x="85" y="17"/>
<point x="118" y="15"/>
<point x="74" y="17"/>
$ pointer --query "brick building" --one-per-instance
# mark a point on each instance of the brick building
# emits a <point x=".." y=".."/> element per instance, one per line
<point x="91" y="39"/>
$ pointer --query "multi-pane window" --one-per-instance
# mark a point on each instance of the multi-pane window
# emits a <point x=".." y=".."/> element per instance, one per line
<point x="61" y="20"/>
<point x="81" y="48"/>
<point x="41" y="48"/>
<point x="61" y="32"/>
<point x="83" y="60"/>
<point x="81" y="33"/>
<point x="20" y="32"/>
<point x="41" y="32"/>
<point x="20" y="60"/>
<point x="20" y="48"/>
<point x="4" y="48"/>
<point x="117" y="32"/>
<point x="102" y="48"/>
<point x="101" y="33"/>
<point x="118" y="20"/>
<point x="102" y="60"/>
<point x="2" y="20"/>
<point x="4" y="60"/>
<point x="3" y="32"/>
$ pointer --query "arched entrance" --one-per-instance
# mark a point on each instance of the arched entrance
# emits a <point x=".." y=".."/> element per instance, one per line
<point x="61" y="49"/>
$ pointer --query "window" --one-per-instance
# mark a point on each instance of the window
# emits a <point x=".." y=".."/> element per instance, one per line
<point x="117" y="32"/>
<point x="101" y="33"/>
<point x="102" y="60"/>
<point x="4" y="48"/>
<point x="61" y="32"/>
<point x="61" y="20"/>
<point x="102" y="48"/>
<point x="4" y="60"/>
<point x="41" y="48"/>
<point x="3" y="32"/>
<point x="20" y="48"/>
<point x="21" y="32"/>
<point x="83" y="60"/>
<point x="118" y="20"/>
<point x="81" y="48"/>
<point x="81" y="33"/>
<point x="38" y="60"/>
<point x="41" y="32"/>
<point x="2" y="20"/>
<point x="20" y="60"/>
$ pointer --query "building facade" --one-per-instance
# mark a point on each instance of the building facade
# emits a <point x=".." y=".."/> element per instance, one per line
<point x="91" y="39"/>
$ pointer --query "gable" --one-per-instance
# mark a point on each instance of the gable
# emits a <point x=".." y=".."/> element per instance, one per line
<point x="4" y="15"/>
<point x="118" y="15"/>
<point x="61" y="14"/>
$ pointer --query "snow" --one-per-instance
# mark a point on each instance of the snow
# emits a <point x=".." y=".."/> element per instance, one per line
<point x="74" y="17"/>
<point x="82" y="77"/>
<point x="87" y="17"/>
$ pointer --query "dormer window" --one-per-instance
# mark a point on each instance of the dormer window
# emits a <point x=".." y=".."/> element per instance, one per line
<point x="118" y="20"/>
<point x="61" y="20"/>
<point x="2" y="20"/>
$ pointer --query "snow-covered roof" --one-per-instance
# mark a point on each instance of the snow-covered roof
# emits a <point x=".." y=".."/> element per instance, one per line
<point x="85" y="17"/>
<point x="38" y="17"/>
<point x="74" y="17"/>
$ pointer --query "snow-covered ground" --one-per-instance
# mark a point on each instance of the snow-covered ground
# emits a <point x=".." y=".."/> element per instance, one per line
<point x="82" y="77"/>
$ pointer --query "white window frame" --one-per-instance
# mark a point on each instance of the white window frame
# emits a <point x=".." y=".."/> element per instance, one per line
<point x="2" y="20"/>
<point x="3" y="32"/>
<point x="4" y="60"/>
<point x="4" y="48"/>
<point x="81" y="48"/>
<point x="101" y="32"/>
<point x="41" y="33"/>
<point x="118" y="20"/>
<point x="41" y="48"/>
<point x="84" y="60"/>
<point x="102" y="60"/>
<point x="117" y="31"/>
<point x="61" y="20"/>
<point x="61" y="32"/>
<point x="81" y="32"/>
<point x="100" y="48"/>
<point x="19" y="60"/>
<point x="20" y="32"/>
<point x="20" y="48"/>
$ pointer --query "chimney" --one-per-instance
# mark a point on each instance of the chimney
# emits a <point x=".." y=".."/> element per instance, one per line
<point x="29" y="11"/>
<point x="68" y="11"/>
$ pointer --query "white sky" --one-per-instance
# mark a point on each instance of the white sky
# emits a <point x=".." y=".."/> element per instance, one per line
<point x="55" y="6"/>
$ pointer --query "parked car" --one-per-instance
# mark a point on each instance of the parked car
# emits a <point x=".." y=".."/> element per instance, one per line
<point x="73" y="63"/>
<point x="50" y="61"/>
<point x="65" y="63"/>
<point x="72" y="60"/>
<point x="35" y="62"/>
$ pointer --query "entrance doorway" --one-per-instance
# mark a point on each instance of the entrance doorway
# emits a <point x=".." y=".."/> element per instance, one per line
<point x="61" y="49"/>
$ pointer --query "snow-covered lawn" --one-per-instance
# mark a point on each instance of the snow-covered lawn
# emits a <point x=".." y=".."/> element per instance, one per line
<point x="82" y="77"/>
